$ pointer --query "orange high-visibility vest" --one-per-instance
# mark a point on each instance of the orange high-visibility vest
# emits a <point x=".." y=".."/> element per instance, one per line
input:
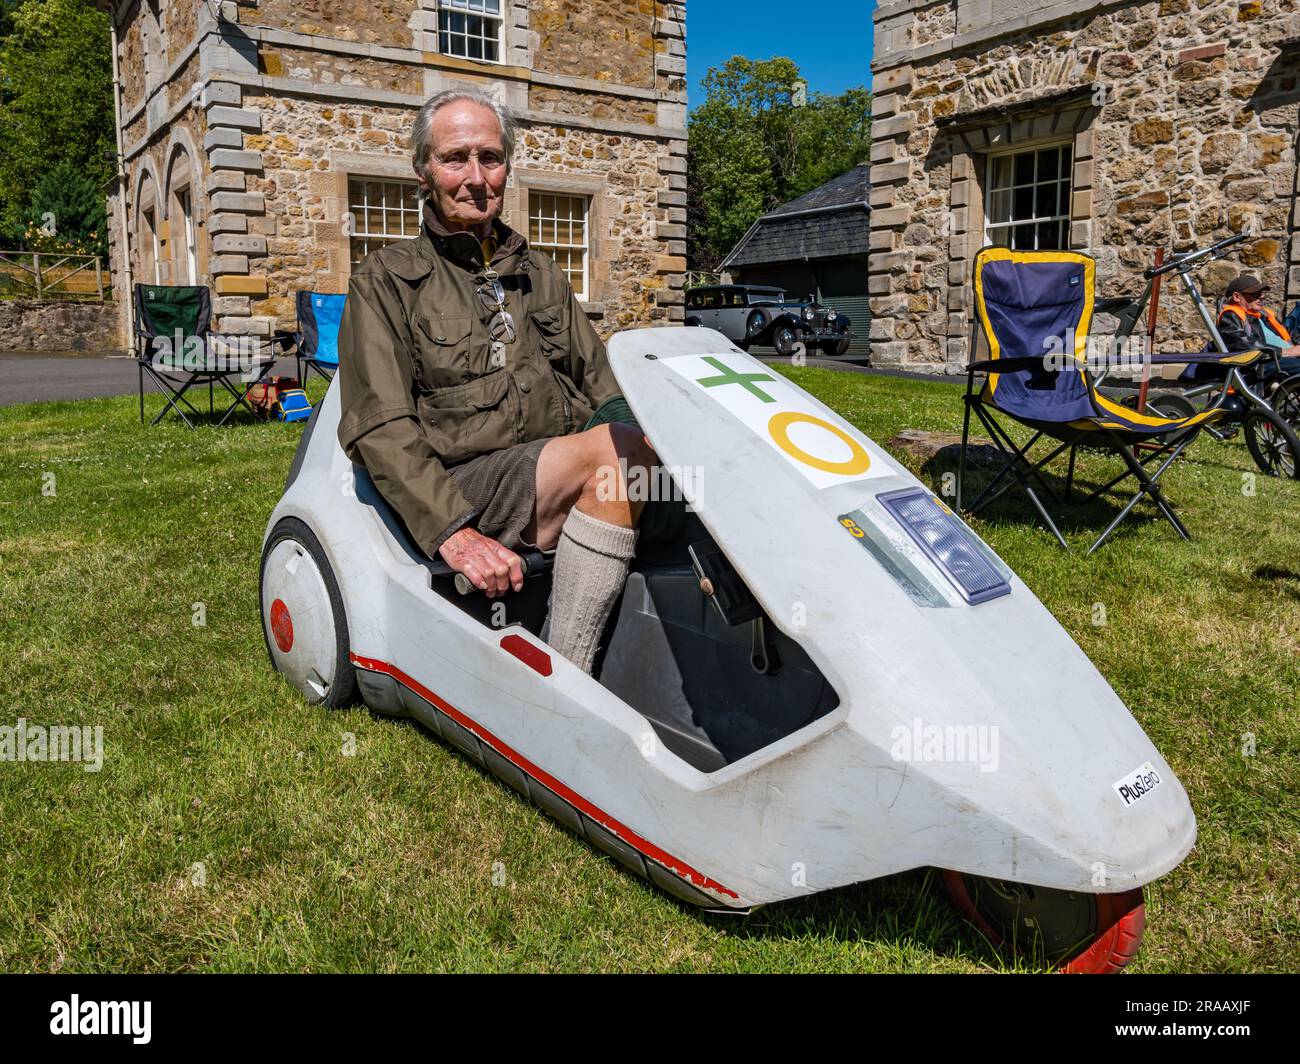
<point x="1267" y="315"/>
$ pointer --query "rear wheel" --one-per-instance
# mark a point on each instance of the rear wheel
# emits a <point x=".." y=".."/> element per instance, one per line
<point x="1172" y="405"/>
<point x="694" y="323"/>
<point x="754" y="326"/>
<point x="1077" y="933"/>
<point x="1273" y="444"/>
<point x="303" y="622"/>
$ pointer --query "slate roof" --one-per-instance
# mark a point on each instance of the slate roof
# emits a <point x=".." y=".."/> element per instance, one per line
<point x="831" y="221"/>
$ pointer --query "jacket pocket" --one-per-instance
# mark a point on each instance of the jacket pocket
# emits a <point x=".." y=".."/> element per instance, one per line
<point x="577" y="409"/>
<point x="469" y="419"/>
<point x="444" y="356"/>
<point x="548" y="329"/>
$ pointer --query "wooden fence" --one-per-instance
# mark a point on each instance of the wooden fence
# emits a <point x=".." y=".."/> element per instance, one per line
<point x="51" y="275"/>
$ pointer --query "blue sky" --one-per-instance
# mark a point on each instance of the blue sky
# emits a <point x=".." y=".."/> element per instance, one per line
<point x="829" y="39"/>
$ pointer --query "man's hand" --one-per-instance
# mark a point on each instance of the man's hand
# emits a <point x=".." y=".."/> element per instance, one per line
<point x="486" y="564"/>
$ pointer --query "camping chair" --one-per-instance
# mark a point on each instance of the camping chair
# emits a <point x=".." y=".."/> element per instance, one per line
<point x="316" y="343"/>
<point x="1035" y="309"/>
<point x="174" y="347"/>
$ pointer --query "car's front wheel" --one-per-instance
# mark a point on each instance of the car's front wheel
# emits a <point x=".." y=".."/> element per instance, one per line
<point x="836" y="348"/>
<point x="303" y="622"/>
<point x="785" y="339"/>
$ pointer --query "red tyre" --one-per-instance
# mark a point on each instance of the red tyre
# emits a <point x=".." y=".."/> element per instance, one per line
<point x="1078" y="933"/>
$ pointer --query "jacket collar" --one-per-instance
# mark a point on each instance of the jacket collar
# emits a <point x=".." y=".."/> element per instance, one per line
<point x="464" y="248"/>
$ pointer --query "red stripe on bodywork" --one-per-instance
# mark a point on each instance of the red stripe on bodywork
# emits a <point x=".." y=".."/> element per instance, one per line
<point x="622" y="831"/>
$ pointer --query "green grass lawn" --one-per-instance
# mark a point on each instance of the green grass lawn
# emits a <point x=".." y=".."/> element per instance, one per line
<point x="228" y="831"/>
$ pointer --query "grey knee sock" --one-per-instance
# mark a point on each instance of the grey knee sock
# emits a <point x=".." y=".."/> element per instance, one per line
<point x="591" y="564"/>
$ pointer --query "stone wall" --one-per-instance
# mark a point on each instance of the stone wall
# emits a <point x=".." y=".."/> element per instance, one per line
<point x="1182" y="116"/>
<point x="609" y="40"/>
<point x="592" y="104"/>
<point x="51" y="327"/>
<point x="388" y="22"/>
<point x="329" y="69"/>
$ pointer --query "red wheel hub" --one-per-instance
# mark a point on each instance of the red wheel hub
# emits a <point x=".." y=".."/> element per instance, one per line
<point x="281" y="626"/>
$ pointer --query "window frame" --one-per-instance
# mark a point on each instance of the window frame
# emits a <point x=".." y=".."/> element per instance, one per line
<point x="450" y="6"/>
<point x="359" y="212"/>
<point x="149" y="216"/>
<point x="1063" y="218"/>
<point x="586" y="246"/>
<point x="189" y="252"/>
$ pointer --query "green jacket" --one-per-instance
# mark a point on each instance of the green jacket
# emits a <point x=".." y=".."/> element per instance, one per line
<point x="418" y="387"/>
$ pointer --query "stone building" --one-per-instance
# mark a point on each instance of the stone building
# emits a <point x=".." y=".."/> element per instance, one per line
<point x="1109" y="127"/>
<point x="266" y="142"/>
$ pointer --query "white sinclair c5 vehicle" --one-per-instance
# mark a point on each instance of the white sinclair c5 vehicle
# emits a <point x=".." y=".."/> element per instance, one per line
<point x="828" y="672"/>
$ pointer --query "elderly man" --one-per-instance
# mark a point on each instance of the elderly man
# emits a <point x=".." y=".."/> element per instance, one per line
<point x="1245" y="323"/>
<point x="468" y="372"/>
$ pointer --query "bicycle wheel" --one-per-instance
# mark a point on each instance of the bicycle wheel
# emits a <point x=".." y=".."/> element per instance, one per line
<point x="1273" y="444"/>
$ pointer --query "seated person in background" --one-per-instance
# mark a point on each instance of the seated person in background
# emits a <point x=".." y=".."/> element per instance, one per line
<point x="1245" y="323"/>
<point x="467" y="376"/>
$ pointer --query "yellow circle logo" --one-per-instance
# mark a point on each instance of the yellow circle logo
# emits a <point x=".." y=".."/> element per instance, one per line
<point x="779" y="429"/>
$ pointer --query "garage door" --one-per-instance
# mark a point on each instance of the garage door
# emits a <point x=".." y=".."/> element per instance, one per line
<point x="844" y="287"/>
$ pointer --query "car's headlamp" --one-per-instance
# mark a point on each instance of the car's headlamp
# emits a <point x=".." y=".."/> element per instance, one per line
<point x="831" y="315"/>
<point x="809" y="313"/>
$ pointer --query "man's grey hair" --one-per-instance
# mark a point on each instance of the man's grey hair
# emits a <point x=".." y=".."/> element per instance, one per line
<point x="422" y="137"/>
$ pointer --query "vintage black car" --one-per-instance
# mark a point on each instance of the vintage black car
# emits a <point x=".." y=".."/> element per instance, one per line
<point x="756" y="314"/>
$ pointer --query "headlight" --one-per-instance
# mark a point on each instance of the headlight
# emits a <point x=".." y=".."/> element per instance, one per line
<point x="808" y="313"/>
<point x="831" y="315"/>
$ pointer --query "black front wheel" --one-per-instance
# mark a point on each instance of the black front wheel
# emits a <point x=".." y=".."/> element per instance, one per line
<point x="836" y="348"/>
<point x="1273" y="444"/>
<point x="784" y="340"/>
<point x="1074" y="932"/>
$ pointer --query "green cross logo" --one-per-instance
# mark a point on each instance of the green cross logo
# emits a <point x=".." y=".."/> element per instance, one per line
<point x="730" y="376"/>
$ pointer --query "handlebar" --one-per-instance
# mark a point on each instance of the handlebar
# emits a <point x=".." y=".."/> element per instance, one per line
<point x="534" y="562"/>
<point x="1215" y="251"/>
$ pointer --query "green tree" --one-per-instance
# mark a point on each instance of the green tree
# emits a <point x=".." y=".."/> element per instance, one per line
<point x="56" y="102"/>
<point x="67" y="213"/>
<point x="753" y="147"/>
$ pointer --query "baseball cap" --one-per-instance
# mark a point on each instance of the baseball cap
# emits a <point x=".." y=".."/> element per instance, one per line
<point x="1247" y="285"/>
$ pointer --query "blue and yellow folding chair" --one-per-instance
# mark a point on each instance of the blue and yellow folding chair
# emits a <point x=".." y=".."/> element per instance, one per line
<point x="316" y="342"/>
<point x="1035" y="309"/>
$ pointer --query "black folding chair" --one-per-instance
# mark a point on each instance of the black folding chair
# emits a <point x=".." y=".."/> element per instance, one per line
<point x="174" y="347"/>
<point x="1035" y="309"/>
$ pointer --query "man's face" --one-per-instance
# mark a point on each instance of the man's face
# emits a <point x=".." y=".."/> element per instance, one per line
<point x="1249" y="300"/>
<point x="466" y="177"/>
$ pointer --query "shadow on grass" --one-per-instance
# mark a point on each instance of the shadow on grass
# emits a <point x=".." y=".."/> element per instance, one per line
<point x="1286" y="580"/>
<point x="905" y="913"/>
<point x="1073" y="515"/>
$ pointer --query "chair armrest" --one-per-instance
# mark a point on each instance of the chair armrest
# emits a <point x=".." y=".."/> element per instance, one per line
<point x="1007" y="365"/>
